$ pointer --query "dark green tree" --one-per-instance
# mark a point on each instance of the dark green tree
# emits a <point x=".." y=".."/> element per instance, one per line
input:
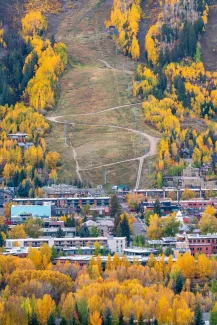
<point x="115" y="207"/>
<point x="51" y="319"/>
<point x="33" y="320"/>
<point x="168" y="251"/>
<point x="63" y="322"/>
<point x="179" y="283"/>
<point x="140" y="320"/>
<point x="60" y="233"/>
<point x="107" y="317"/>
<point x="1" y="239"/>
<point x="131" y="320"/>
<point x="198" y="315"/>
<point x="157" y="209"/>
<point x="121" y="319"/>
<point x="84" y="231"/>
<point x="125" y="228"/>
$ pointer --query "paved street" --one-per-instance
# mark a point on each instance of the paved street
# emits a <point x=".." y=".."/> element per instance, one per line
<point x="138" y="226"/>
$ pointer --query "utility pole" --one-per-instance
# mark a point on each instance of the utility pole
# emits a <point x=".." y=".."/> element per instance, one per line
<point x="128" y="89"/>
<point x="141" y="138"/>
<point x="105" y="176"/>
<point x="91" y="157"/>
<point x="149" y="167"/>
<point x="135" y="119"/>
<point x="65" y="133"/>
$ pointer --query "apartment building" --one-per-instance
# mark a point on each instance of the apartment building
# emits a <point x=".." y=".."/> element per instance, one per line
<point x="114" y="244"/>
<point x="206" y="244"/>
<point x="65" y="205"/>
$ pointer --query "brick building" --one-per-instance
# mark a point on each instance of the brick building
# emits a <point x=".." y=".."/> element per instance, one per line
<point x="205" y="244"/>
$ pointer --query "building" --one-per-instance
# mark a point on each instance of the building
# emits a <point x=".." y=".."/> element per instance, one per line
<point x="20" y="137"/>
<point x="20" y="213"/>
<point x="52" y="231"/>
<point x="191" y="178"/>
<point x="85" y="259"/>
<point x="164" y="192"/>
<point x="66" y="205"/>
<point x="6" y="195"/>
<point x="105" y="226"/>
<point x="139" y="252"/>
<point x="114" y="244"/>
<point x="198" y="204"/>
<point x="206" y="244"/>
<point x="68" y="191"/>
<point x="17" y="251"/>
<point x="166" y="207"/>
<point x="49" y="223"/>
<point x="86" y="250"/>
<point x="100" y="211"/>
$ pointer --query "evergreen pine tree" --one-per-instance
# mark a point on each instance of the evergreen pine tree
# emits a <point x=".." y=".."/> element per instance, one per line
<point x="33" y="320"/>
<point x="125" y="228"/>
<point x="157" y="207"/>
<point x="198" y="316"/>
<point x="131" y="320"/>
<point x="179" y="283"/>
<point x="140" y="320"/>
<point x="115" y="207"/>
<point x="60" y="233"/>
<point x="51" y="319"/>
<point x="1" y="239"/>
<point x="107" y="318"/>
<point x="63" y="322"/>
<point x="121" y="319"/>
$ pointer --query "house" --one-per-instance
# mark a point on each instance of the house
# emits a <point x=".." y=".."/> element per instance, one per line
<point x="105" y="226"/>
<point x="20" y="137"/>
<point x="52" y="231"/>
<point x="20" y="213"/>
<point x="123" y="189"/>
<point x="112" y="30"/>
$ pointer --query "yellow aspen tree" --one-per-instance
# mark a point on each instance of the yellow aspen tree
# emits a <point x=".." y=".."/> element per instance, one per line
<point x="44" y="307"/>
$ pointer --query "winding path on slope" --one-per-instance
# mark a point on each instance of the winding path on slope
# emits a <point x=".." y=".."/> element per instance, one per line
<point x="108" y="66"/>
<point x="152" y="140"/>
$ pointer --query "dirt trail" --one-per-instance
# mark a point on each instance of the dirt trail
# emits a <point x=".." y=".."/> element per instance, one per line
<point x="98" y="76"/>
<point x="152" y="150"/>
<point x="112" y="68"/>
<point x="77" y="165"/>
<point x="54" y="118"/>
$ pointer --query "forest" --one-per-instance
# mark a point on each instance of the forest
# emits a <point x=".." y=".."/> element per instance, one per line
<point x="30" y="67"/>
<point x="36" y="291"/>
<point x="173" y="84"/>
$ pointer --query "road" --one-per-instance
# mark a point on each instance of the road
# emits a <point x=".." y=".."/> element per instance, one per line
<point x="138" y="226"/>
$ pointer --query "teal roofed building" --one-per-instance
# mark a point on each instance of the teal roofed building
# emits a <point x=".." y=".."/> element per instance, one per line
<point x="20" y="213"/>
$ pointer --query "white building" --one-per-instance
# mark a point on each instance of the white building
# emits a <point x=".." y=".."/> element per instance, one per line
<point x="114" y="244"/>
